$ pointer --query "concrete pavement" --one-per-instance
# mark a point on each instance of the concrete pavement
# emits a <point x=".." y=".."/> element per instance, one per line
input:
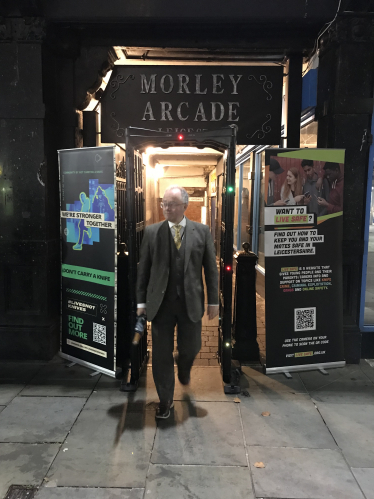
<point x="71" y="435"/>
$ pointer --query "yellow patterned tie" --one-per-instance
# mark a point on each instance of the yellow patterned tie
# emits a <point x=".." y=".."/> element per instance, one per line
<point x="177" y="237"/>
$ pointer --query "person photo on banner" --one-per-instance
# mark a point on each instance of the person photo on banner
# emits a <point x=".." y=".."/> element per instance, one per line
<point x="274" y="170"/>
<point x="292" y="188"/>
<point x="335" y="177"/>
<point x="314" y="187"/>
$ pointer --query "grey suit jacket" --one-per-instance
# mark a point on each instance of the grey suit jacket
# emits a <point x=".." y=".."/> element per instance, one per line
<point x="153" y="268"/>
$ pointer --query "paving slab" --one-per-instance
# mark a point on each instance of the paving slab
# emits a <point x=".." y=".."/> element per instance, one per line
<point x="352" y="426"/>
<point x="367" y="369"/>
<point x="57" y="379"/>
<point x="254" y="379"/>
<point x="9" y="390"/>
<point x="88" y="493"/>
<point x="18" y="370"/>
<point x="294" y="421"/>
<point x="302" y="474"/>
<point x="58" y="368"/>
<point x="107" y="394"/>
<point x="60" y="387"/>
<point x="207" y="433"/>
<point x="205" y="482"/>
<point x="353" y="389"/>
<point x="106" y="448"/>
<point x="24" y="464"/>
<point x="314" y="380"/>
<point x="39" y="419"/>
<point x="365" y="478"/>
<point x="206" y="386"/>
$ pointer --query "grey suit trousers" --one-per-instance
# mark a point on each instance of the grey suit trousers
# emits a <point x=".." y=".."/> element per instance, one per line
<point x="172" y="313"/>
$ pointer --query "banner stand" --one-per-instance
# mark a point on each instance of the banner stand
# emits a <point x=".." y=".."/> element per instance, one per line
<point x="302" y="240"/>
<point x="83" y="363"/>
<point x="88" y="223"/>
<point x="306" y="367"/>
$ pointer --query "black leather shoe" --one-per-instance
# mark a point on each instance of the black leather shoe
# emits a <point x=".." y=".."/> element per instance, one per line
<point x="163" y="410"/>
<point x="184" y="375"/>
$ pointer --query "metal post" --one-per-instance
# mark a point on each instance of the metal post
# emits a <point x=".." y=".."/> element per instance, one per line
<point x="227" y="263"/>
<point x="131" y="240"/>
<point x="90" y="127"/>
<point x="295" y="82"/>
<point x="245" y="324"/>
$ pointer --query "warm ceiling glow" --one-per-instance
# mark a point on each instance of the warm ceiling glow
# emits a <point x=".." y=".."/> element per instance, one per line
<point x="181" y="150"/>
<point x="159" y="170"/>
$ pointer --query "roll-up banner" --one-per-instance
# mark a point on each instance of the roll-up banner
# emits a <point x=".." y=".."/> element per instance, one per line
<point x="303" y="259"/>
<point x="89" y="257"/>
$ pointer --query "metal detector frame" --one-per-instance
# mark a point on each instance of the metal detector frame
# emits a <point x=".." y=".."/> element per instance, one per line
<point x="224" y="139"/>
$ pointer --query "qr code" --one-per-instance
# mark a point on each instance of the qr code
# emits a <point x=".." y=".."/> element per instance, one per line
<point x="99" y="333"/>
<point x="305" y="319"/>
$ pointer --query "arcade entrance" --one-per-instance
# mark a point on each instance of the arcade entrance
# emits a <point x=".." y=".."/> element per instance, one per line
<point x="188" y="119"/>
<point x="108" y="195"/>
<point x="163" y="154"/>
<point x="197" y="171"/>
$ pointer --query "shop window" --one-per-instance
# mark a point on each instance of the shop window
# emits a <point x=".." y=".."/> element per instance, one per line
<point x="369" y="289"/>
<point x="237" y="207"/>
<point x="261" y="221"/>
<point x="308" y="135"/>
<point x="246" y="205"/>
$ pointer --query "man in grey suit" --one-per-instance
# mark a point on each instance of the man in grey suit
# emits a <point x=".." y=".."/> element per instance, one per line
<point x="170" y="291"/>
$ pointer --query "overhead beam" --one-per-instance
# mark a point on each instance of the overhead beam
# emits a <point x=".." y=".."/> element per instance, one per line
<point x="203" y="164"/>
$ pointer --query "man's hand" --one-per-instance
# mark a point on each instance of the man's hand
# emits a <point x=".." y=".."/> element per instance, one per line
<point x="140" y="311"/>
<point x="279" y="203"/>
<point x="213" y="311"/>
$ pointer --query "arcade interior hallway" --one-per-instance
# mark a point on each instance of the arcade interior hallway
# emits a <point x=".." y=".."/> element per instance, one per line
<point x="209" y="338"/>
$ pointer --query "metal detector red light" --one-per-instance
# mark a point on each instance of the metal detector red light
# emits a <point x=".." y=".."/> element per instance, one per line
<point x="180" y="137"/>
<point x="228" y="268"/>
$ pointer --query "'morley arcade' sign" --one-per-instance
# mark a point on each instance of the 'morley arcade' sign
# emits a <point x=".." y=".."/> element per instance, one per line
<point x="194" y="98"/>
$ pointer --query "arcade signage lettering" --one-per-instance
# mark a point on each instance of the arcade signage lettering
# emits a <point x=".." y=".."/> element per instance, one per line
<point x="192" y="99"/>
<point x="217" y="108"/>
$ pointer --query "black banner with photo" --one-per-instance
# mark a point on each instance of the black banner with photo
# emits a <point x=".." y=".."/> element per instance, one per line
<point x="303" y="259"/>
<point x="88" y="267"/>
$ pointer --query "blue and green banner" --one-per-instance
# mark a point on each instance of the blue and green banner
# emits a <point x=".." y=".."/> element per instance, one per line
<point x="303" y="219"/>
<point x="89" y="256"/>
